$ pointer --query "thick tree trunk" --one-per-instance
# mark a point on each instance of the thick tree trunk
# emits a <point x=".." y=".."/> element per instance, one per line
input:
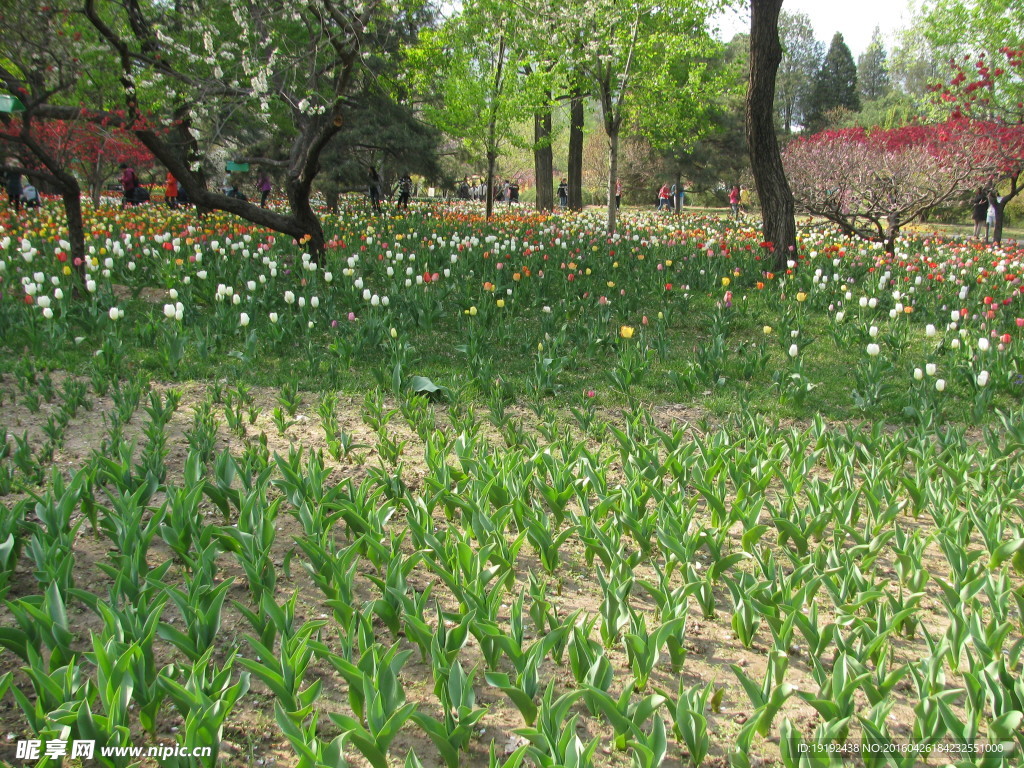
<point x="997" y="229"/>
<point x="71" y="193"/>
<point x="892" y="231"/>
<point x="777" y="209"/>
<point x="575" y="172"/>
<point x="306" y="221"/>
<point x="543" y="160"/>
<point x="613" y="172"/>
<point x="997" y="232"/>
<point x="72" y="197"/>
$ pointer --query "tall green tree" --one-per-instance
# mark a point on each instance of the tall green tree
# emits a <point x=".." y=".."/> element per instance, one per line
<point x="835" y="85"/>
<point x="630" y="64"/>
<point x="971" y="27"/>
<point x="916" y="64"/>
<point x="713" y="149"/>
<point x="873" y="70"/>
<point x="802" y="54"/>
<point x="472" y="66"/>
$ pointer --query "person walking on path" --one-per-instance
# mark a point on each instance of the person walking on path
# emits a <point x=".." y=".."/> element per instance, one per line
<point x="375" y="188"/>
<point x="734" y="200"/>
<point x="664" y="197"/>
<point x="171" y="191"/>
<point x="563" y="194"/>
<point x="990" y="216"/>
<point x="979" y="212"/>
<point x="129" y="185"/>
<point x="404" y="190"/>
<point x="618" y="194"/>
<point x="680" y="198"/>
<point x="263" y="186"/>
<point x="12" y="183"/>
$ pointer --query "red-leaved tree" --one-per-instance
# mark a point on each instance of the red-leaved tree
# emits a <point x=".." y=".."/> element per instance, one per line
<point x="991" y="96"/>
<point x="872" y="183"/>
<point x="91" y="150"/>
<point x="94" y="150"/>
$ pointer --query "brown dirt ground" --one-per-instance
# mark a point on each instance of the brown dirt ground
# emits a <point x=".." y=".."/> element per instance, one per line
<point x="252" y="736"/>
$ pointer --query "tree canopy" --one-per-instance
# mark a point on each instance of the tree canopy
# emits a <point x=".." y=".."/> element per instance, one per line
<point x="835" y="85"/>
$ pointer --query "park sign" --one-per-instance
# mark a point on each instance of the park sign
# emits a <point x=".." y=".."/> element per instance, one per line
<point x="10" y="103"/>
<point x="236" y="167"/>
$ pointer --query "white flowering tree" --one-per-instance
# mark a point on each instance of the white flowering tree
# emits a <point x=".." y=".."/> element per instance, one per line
<point x="479" y="76"/>
<point x="192" y="72"/>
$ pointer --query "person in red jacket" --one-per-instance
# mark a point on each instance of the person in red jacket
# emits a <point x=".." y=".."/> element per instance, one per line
<point x="664" y="197"/>
<point x="129" y="183"/>
<point x="171" y="191"/>
<point x="734" y="200"/>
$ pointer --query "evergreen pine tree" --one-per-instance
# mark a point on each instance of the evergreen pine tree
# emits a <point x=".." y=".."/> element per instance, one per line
<point x="834" y="86"/>
<point x="873" y="69"/>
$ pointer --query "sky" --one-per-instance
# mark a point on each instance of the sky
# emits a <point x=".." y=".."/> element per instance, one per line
<point x="856" y="19"/>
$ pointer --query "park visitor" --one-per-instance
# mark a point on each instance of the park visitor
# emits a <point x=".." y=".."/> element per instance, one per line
<point x="404" y="190"/>
<point x="734" y="200"/>
<point x="12" y="183"/>
<point x="980" y="211"/>
<point x="30" y="196"/>
<point x="263" y="186"/>
<point x="664" y="197"/>
<point x="171" y="191"/>
<point x="375" y="187"/>
<point x="563" y="194"/>
<point x="129" y="185"/>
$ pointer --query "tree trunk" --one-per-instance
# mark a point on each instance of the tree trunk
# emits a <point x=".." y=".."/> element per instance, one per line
<point x="892" y="231"/>
<point x="492" y="127"/>
<point x="613" y="171"/>
<point x="489" y="205"/>
<point x="71" y="193"/>
<point x="575" y="172"/>
<point x="997" y="232"/>
<point x="306" y="222"/>
<point x="72" y="197"/>
<point x="777" y="209"/>
<point x="543" y="160"/>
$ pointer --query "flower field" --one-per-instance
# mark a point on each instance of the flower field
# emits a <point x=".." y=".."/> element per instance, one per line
<point x="506" y="493"/>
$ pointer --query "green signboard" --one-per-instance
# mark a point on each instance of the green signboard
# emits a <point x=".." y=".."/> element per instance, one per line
<point x="10" y="104"/>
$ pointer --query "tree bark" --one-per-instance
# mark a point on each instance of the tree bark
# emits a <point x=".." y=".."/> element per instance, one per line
<point x="997" y="232"/>
<point x="613" y="171"/>
<point x="492" y="128"/>
<point x="543" y="160"/>
<point x="489" y="203"/>
<point x="575" y="172"/>
<point x="71" y="193"/>
<point x="777" y="208"/>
